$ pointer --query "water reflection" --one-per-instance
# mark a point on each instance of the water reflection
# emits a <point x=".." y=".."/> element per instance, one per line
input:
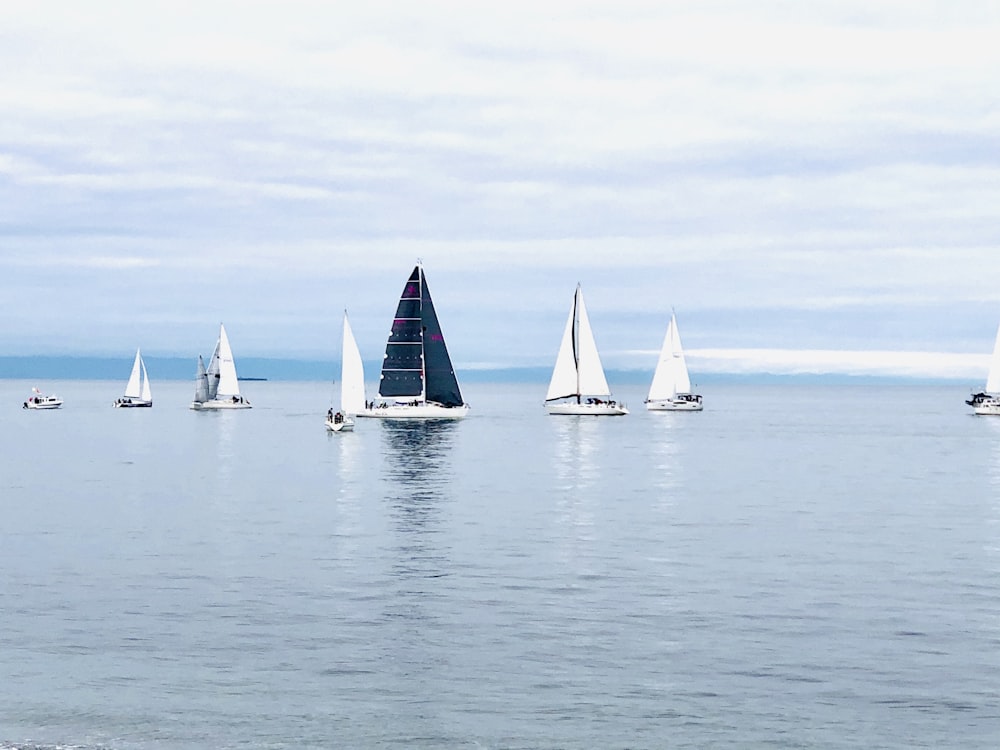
<point x="993" y="469"/>
<point x="576" y="460"/>
<point x="666" y="458"/>
<point x="578" y="467"/>
<point x="994" y="462"/>
<point x="416" y="480"/>
<point x="350" y="490"/>
<point x="215" y="441"/>
<point x="416" y="475"/>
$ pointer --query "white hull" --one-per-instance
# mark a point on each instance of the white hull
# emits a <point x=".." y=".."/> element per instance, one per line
<point x="420" y="411"/>
<point x="346" y="426"/>
<point x="591" y="410"/>
<point x="132" y="404"/>
<point x="220" y="404"/>
<point x="46" y="403"/>
<point x="988" y="408"/>
<point x="674" y="405"/>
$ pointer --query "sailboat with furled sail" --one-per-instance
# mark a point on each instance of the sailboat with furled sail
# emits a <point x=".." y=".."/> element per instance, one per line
<point x="578" y="371"/>
<point x="671" y="386"/>
<point x="987" y="403"/>
<point x="137" y="390"/>
<point x="352" y="384"/>
<point x="417" y="380"/>
<point x="219" y="387"/>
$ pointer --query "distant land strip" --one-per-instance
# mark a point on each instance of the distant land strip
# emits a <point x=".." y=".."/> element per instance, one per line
<point x="49" y="367"/>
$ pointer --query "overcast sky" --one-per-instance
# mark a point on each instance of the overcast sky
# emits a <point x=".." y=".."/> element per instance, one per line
<point x="816" y="177"/>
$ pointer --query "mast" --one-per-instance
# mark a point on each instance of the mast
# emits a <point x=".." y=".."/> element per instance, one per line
<point x="576" y="338"/>
<point x="423" y="331"/>
<point x="566" y="381"/>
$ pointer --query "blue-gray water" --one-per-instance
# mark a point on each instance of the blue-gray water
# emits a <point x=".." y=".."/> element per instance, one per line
<point x="794" y="567"/>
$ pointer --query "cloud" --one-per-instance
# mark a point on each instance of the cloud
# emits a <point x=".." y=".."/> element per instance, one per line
<point x="945" y="365"/>
<point x="804" y="175"/>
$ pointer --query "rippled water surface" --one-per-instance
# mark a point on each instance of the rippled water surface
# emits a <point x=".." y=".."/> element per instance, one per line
<point x="794" y="567"/>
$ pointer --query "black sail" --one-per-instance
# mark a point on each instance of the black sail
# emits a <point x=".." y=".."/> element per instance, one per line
<point x="442" y="385"/>
<point x="402" y="368"/>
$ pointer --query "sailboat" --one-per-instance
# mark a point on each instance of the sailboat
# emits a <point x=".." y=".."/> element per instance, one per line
<point x="671" y="386"/>
<point x="352" y="384"/>
<point x="417" y="380"/>
<point x="988" y="402"/>
<point x="137" y="391"/>
<point x="578" y="371"/>
<point x="218" y="387"/>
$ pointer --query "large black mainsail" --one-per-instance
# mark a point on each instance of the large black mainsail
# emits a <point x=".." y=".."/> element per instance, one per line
<point x="416" y="363"/>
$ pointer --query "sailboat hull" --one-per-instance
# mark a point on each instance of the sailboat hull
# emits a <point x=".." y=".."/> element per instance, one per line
<point x="674" y="405"/>
<point x="591" y="410"/>
<point x="133" y="404"/>
<point x="420" y="411"/>
<point x="220" y="404"/>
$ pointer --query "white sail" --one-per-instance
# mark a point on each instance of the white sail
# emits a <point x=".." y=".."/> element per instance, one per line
<point x="212" y="374"/>
<point x="133" y="388"/>
<point x="201" y="383"/>
<point x="229" y="385"/>
<point x="671" y="376"/>
<point x="352" y="374"/>
<point x="993" y="379"/>
<point x="578" y="369"/>
<point x="147" y="392"/>
<point x="592" y="380"/>
<point x="564" y="381"/>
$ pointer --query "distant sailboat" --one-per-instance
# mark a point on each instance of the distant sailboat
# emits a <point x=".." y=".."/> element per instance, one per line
<point x="417" y="381"/>
<point x="352" y="384"/>
<point x="219" y="388"/>
<point x="578" y="371"/>
<point x="671" y="386"/>
<point x="137" y="390"/>
<point x="987" y="403"/>
<point x="200" y="384"/>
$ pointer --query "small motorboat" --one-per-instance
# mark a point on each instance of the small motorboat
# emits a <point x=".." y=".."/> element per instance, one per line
<point x="39" y="400"/>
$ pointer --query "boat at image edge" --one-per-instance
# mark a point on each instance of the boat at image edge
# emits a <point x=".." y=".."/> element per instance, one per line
<point x="987" y="402"/>
<point x="671" y="386"/>
<point x="417" y="380"/>
<point x="137" y="390"/>
<point x="40" y="401"/>
<point x="578" y="371"/>
<point x="218" y="387"/>
<point x="352" y="384"/>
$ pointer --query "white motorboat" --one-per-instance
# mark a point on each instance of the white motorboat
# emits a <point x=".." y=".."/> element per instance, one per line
<point x="39" y="400"/>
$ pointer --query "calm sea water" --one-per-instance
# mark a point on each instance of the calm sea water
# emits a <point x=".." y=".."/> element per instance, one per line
<point x="794" y="567"/>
